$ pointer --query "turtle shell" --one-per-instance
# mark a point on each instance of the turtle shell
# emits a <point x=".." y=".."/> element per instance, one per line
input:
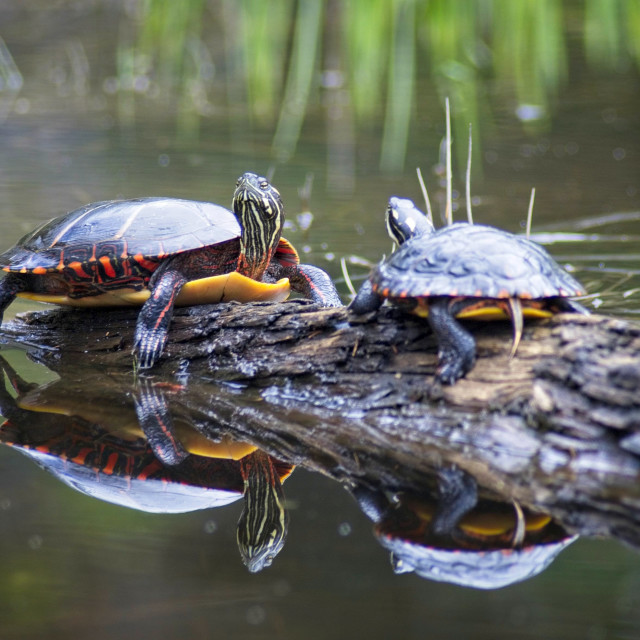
<point x="481" y="554"/>
<point x="129" y="474"/>
<point x="155" y="488"/>
<point x="479" y="569"/>
<point x="470" y="260"/>
<point x="119" y="229"/>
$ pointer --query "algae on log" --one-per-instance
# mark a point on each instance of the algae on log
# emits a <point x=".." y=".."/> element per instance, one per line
<point x="556" y="428"/>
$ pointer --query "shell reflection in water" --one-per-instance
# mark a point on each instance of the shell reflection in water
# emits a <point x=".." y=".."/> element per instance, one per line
<point x="485" y="544"/>
<point x="108" y="452"/>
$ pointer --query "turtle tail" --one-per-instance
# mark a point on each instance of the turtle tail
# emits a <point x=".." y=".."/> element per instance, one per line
<point x="520" y="530"/>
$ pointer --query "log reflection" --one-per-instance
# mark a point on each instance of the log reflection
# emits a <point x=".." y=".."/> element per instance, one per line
<point x="148" y="444"/>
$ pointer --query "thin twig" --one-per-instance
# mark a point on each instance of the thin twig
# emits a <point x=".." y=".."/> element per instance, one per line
<point x="449" y="208"/>
<point x="530" y="212"/>
<point x="347" y="278"/>
<point x="468" y="181"/>
<point x="425" y="195"/>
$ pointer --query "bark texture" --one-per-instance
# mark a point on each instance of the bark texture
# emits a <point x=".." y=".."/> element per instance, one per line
<point x="556" y="428"/>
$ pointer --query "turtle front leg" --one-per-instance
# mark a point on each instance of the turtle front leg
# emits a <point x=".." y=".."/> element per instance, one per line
<point x="374" y="503"/>
<point x="152" y="328"/>
<point x="456" y="346"/>
<point x="317" y="285"/>
<point x="457" y="495"/>
<point x="10" y="287"/>
<point x="311" y="282"/>
<point x="366" y="300"/>
<point x="155" y="420"/>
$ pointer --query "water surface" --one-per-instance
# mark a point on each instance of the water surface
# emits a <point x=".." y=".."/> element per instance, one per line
<point x="76" y="567"/>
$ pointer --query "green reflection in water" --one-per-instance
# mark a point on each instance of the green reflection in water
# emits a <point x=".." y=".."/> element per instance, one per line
<point x="299" y="78"/>
<point x="612" y="33"/>
<point x="274" y="59"/>
<point x="400" y="87"/>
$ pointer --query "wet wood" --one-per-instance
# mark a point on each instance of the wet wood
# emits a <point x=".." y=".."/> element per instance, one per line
<point x="557" y="427"/>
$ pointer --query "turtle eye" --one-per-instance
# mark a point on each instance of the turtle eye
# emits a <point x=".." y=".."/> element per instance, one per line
<point x="264" y="185"/>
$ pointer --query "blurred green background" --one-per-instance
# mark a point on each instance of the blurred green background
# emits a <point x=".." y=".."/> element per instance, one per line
<point x="102" y="99"/>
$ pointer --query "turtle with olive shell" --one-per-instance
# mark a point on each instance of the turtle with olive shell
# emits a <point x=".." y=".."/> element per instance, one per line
<point x="159" y="252"/>
<point x="464" y="271"/>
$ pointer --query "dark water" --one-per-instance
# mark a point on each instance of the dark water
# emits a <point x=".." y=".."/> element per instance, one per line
<point x="76" y="567"/>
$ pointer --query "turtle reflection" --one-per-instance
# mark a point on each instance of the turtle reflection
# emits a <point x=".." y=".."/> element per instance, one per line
<point x="104" y="452"/>
<point x="482" y="544"/>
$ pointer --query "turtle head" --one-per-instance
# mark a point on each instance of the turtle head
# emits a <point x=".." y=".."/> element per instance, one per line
<point x="405" y="220"/>
<point x="258" y="206"/>
<point x="262" y="528"/>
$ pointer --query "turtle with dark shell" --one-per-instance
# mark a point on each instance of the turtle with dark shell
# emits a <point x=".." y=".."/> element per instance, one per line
<point x="464" y="271"/>
<point x="159" y="252"/>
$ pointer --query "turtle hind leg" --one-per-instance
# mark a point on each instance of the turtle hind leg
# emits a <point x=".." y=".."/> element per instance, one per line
<point x="152" y="328"/>
<point x="456" y="346"/>
<point x="12" y="284"/>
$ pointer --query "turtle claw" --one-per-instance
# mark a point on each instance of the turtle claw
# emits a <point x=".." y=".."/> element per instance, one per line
<point x="148" y="346"/>
<point x="448" y="374"/>
<point x="453" y="365"/>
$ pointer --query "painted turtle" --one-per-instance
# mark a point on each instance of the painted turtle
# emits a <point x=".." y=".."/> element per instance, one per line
<point x="149" y="251"/>
<point x="465" y="271"/>
<point x="99" y="450"/>
<point x="484" y="544"/>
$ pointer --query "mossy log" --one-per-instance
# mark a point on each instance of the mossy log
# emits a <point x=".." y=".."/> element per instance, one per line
<point x="557" y="427"/>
